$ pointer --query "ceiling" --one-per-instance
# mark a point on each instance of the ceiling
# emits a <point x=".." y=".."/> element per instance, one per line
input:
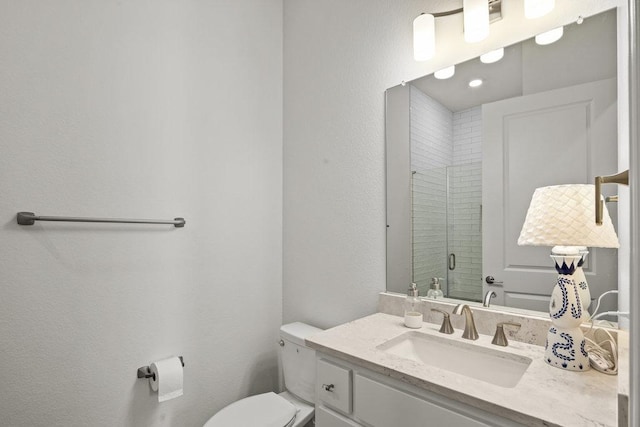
<point x="528" y="68"/>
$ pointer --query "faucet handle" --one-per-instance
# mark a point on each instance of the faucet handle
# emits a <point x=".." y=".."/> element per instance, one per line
<point x="446" y="327"/>
<point x="500" y="338"/>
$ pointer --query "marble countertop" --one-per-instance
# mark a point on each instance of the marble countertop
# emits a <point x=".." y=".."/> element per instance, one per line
<point x="544" y="396"/>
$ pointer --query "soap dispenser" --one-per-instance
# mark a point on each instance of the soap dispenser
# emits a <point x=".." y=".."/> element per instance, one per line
<point x="412" y="309"/>
<point x="435" y="292"/>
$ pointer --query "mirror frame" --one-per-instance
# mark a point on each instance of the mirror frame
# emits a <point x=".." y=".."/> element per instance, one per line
<point x="633" y="38"/>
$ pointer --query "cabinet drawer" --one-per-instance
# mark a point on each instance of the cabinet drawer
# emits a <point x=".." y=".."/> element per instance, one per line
<point x="374" y="400"/>
<point x="334" y="386"/>
<point x="327" y="418"/>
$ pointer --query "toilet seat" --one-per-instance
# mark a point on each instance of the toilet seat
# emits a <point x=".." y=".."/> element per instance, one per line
<point x="267" y="409"/>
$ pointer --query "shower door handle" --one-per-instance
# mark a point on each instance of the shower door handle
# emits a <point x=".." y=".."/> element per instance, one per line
<point x="452" y="261"/>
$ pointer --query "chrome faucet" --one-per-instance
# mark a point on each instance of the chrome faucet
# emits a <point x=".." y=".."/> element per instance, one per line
<point x="487" y="298"/>
<point x="470" y="331"/>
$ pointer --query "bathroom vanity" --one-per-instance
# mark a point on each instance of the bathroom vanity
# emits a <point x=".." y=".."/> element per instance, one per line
<point x="373" y="372"/>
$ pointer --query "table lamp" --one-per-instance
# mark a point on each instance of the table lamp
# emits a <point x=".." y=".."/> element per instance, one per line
<point x="561" y="216"/>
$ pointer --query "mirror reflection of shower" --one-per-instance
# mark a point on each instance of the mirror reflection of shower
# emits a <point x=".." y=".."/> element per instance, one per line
<point x="446" y="191"/>
<point x="446" y="229"/>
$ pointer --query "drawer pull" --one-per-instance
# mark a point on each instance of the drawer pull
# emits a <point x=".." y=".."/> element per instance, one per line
<point x="328" y="387"/>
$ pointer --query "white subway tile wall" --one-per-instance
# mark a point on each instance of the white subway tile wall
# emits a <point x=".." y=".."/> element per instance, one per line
<point x="431" y="133"/>
<point x="465" y="205"/>
<point x="465" y="232"/>
<point x="446" y="154"/>
<point x="467" y="136"/>
<point x="431" y="152"/>
<point x="429" y="222"/>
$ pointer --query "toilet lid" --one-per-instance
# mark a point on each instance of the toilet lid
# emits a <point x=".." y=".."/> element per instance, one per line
<point x="268" y="410"/>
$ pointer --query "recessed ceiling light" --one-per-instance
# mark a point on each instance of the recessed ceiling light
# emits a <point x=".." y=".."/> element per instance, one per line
<point x="475" y="83"/>
<point x="445" y="73"/>
<point x="550" y="36"/>
<point x="493" y="56"/>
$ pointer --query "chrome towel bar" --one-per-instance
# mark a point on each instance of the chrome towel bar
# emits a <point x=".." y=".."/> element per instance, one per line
<point x="29" y="218"/>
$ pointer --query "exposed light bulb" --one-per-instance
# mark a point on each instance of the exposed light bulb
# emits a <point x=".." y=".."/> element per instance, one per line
<point x="493" y="56"/>
<point x="424" y="37"/>
<point x="550" y="36"/>
<point x="445" y="73"/>
<point x="475" y="83"/>
<point x="476" y="20"/>
<point x="537" y="8"/>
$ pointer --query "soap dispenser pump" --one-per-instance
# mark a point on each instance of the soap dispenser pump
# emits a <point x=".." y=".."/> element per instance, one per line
<point x="412" y="309"/>
<point x="435" y="292"/>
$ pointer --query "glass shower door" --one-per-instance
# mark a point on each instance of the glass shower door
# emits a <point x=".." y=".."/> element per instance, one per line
<point x="464" y="231"/>
<point x="447" y="229"/>
<point x="429" y="227"/>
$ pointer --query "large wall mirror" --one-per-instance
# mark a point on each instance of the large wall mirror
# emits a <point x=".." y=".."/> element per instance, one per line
<point x="463" y="162"/>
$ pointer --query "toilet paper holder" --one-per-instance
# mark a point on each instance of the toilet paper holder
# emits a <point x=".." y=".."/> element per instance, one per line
<point x="145" y="371"/>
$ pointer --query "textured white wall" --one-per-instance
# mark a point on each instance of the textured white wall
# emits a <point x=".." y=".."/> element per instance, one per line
<point x="138" y="109"/>
<point x="339" y="57"/>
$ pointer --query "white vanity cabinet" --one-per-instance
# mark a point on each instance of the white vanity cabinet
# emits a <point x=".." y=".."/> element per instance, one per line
<point x="327" y="418"/>
<point x="349" y="395"/>
<point x="334" y="385"/>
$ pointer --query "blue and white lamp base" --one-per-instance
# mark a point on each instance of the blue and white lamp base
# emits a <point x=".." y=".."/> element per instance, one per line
<point x="565" y="349"/>
<point x="565" y="341"/>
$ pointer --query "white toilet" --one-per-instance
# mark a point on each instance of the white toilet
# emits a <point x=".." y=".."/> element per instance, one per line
<point x="292" y="408"/>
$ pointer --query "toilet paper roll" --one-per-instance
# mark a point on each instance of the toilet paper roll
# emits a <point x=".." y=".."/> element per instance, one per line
<point x="167" y="379"/>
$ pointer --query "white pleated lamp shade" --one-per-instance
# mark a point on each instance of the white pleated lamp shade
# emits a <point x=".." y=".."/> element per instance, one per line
<point x="565" y="215"/>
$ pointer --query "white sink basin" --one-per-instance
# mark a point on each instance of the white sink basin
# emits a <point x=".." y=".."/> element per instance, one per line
<point x="493" y="366"/>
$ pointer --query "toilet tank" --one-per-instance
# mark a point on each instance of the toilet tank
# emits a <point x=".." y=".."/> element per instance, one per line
<point x="298" y="360"/>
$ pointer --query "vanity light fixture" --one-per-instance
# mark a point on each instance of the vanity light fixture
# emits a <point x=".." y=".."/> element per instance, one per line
<point x="537" y="8"/>
<point x="424" y="37"/>
<point x="476" y="20"/>
<point x="492" y="56"/>
<point x="475" y="83"/>
<point x="550" y="36"/>
<point x="562" y="216"/>
<point x="477" y="15"/>
<point x="445" y="73"/>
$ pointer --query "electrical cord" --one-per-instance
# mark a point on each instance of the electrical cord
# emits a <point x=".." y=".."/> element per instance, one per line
<point x="603" y="352"/>
<point x="602" y="349"/>
<point x="613" y="291"/>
